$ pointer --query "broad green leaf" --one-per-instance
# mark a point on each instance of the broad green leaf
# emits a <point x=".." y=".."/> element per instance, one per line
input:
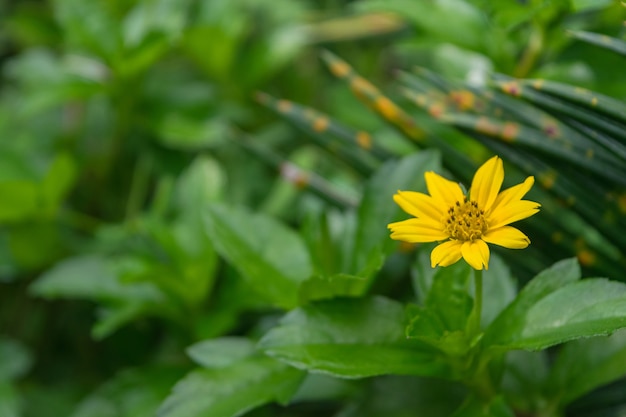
<point x="200" y="184"/>
<point x="90" y="277"/>
<point x="232" y="390"/>
<point x="508" y="324"/>
<point x="351" y="338"/>
<point x="182" y="132"/>
<point x="587" y="5"/>
<point x="377" y="207"/>
<point x="130" y="393"/>
<point x="222" y="352"/>
<point x="269" y="255"/>
<point x="18" y="200"/>
<point x="591" y="307"/>
<point x="406" y="396"/>
<point x="51" y="245"/>
<point x="58" y="180"/>
<point x="464" y="22"/>
<point x="339" y="285"/>
<point x="166" y="17"/>
<point x="499" y="289"/>
<point x="89" y="26"/>
<point x="524" y="380"/>
<point x="584" y="365"/>
<point x="442" y="320"/>
<point x="422" y="274"/>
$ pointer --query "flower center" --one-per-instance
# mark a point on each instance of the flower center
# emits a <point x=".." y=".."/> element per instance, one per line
<point x="465" y="221"/>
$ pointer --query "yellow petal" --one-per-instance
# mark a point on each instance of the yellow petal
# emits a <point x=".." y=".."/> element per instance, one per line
<point x="512" y="194"/>
<point x="445" y="193"/>
<point x="446" y="253"/>
<point x="417" y="230"/>
<point x="418" y="204"/>
<point x="487" y="182"/>
<point x="507" y="236"/>
<point x="476" y="253"/>
<point x="518" y="210"/>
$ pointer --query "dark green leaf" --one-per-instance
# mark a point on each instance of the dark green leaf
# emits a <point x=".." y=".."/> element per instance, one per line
<point x="130" y="393"/>
<point x="475" y="407"/>
<point x="90" y="277"/>
<point x="351" y="338"/>
<point x="222" y="352"/>
<point x="512" y="319"/>
<point x="339" y="285"/>
<point x="232" y="390"/>
<point x="270" y="256"/>
<point x="442" y="320"/>
<point x="524" y="380"/>
<point x="584" y="365"/>
<point x="499" y="289"/>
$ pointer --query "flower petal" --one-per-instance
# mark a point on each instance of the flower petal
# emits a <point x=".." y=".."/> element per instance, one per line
<point x="512" y="194"/>
<point x="418" y="204"/>
<point x="476" y="253"/>
<point x="446" y="253"/>
<point x="417" y="230"/>
<point x="507" y="236"/>
<point x="518" y="210"/>
<point x="445" y="193"/>
<point x="487" y="182"/>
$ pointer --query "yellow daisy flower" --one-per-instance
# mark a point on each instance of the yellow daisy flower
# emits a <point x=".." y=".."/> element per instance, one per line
<point x="465" y="223"/>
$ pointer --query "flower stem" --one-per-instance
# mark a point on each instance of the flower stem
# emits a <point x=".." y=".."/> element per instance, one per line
<point x="474" y="325"/>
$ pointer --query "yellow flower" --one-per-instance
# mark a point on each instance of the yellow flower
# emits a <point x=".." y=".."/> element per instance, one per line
<point x="465" y="223"/>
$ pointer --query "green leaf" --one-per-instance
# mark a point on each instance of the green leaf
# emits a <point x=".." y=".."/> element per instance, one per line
<point x="474" y="407"/>
<point x="202" y="183"/>
<point x="89" y="26"/>
<point x="464" y="22"/>
<point x="589" y="5"/>
<point x="584" y="365"/>
<point x="222" y="352"/>
<point x="524" y="380"/>
<point x="508" y="324"/>
<point x="130" y="393"/>
<point x="93" y="278"/>
<point x="89" y="277"/>
<point x="18" y="200"/>
<point x="377" y="207"/>
<point x="442" y="321"/>
<point x="499" y="289"/>
<point x="58" y="180"/>
<point x="269" y="255"/>
<point x="232" y="390"/>
<point x="406" y="396"/>
<point x="351" y="338"/>
<point x="339" y="285"/>
<point x="591" y="307"/>
<point x="554" y="308"/>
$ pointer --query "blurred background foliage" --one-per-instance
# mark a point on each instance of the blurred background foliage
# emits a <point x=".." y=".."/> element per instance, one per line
<point x="122" y="121"/>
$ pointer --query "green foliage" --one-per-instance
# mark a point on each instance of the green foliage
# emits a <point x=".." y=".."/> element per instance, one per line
<point x="179" y="238"/>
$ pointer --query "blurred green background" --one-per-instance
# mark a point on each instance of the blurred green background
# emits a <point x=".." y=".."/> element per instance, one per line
<point x="122" y="120"/>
